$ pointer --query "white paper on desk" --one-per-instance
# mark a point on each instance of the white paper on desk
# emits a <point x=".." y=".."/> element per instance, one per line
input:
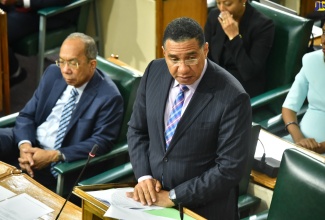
<point x="117" y="197"/>
<point x="5" y="193"/>
<point x="316" y="32"/>
<point x="130" y="214"/>
<point x="24" y="207"/>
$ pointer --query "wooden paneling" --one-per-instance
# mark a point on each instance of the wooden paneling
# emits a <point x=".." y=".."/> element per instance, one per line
<point x="4" y="65"/>
<point x="306" y="7"/>
<point x="168" y="10"/>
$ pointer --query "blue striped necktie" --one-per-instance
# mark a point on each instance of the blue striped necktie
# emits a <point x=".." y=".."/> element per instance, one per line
<point x="64" y="122"/>
<point x="175" y="115"/>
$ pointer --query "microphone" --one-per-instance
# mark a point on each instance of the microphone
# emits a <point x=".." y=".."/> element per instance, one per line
<point x="263" y="157"/>
<point x="266" y="165"/>
<point x="92" y="154"/>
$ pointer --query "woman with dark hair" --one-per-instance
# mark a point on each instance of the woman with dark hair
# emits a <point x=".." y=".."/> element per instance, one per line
<point x="240" y="39"/>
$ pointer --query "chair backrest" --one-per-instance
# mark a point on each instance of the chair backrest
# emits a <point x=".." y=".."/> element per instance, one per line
<point x="243" y="184"/>
<point x="292" y="35"/>
<point x="299" y="192"/>
<point x="127" y="82"/>
<point x="278" y="6"/>
<point x="29" y="45"/>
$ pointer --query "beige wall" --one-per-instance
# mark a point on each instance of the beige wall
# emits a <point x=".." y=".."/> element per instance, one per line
<point x="128" y="29"/>
<point x="293" y="4"/>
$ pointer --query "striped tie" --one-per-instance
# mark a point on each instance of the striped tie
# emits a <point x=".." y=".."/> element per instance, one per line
<point x="64" y="121"/>
<point x="175" y="115"/>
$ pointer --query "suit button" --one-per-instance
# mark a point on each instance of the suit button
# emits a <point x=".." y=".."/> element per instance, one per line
<point x="165" y="159"/>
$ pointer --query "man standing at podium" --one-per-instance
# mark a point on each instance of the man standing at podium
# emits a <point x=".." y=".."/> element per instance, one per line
<point x="190" y="128"/>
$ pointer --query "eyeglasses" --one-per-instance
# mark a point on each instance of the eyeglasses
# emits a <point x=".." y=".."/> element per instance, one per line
<point x="189" y="62"/>
<point x="73" y="64"/>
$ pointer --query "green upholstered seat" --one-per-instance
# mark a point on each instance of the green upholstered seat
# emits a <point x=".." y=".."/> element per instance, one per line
<point x="292" y="34"/>
<point x="127" y="83"/>
<point x="299" y="191"/>
<point x="117" y="174"/>
<point x="47" y="42"/>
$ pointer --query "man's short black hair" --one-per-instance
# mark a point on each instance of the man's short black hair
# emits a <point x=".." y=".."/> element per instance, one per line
<point x="183" y="28"/>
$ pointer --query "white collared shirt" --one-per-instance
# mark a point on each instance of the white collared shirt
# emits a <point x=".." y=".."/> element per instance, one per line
<point x="46" y="133"/>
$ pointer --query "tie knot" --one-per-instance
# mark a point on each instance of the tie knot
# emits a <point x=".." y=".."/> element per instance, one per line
<point x="74" y="92"/>
<point x="183" y="88"/>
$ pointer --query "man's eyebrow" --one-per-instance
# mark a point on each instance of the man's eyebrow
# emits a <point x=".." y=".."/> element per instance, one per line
<point x="73" y="59"/>
<point x="187" y="54"/>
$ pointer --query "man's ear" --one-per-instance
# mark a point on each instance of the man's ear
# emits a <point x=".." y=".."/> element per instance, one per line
<point x="206" y="49"/>
<point x="163" y="49"/>
<point x="93" y="64"/>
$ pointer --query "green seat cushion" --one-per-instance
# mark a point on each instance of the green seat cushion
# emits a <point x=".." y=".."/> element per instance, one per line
<point x="28" y="46"/>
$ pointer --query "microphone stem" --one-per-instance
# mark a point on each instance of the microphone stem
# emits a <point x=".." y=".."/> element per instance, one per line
<point x="68" y="197"/>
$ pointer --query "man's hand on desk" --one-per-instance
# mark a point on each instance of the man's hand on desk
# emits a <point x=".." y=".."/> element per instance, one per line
<point x="149" y="192"/>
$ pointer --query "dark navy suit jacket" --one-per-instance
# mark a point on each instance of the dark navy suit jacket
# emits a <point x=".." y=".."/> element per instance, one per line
<point x="205" y="159"/>
<point x="96" y="119"/>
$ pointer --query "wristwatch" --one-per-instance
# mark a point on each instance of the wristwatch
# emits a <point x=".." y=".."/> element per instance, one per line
<point x="61" y="156"/>
<point x="172" y="196"/>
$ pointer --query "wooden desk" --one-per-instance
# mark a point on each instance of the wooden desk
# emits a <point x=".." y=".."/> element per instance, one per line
<point x="12" y="179"/>
<point x="263" y="179"/>
<point x="274" y="147"/>
<point x="95" y="209"/>
<point x="317" y="41"/>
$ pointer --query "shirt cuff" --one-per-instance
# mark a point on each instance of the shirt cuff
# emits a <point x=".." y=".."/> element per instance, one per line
<point x="24" y="141"/>
<point x="144" y="178"/>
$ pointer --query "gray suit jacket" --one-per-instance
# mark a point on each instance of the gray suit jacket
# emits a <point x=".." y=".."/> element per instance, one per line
<point x="205" y="159"/>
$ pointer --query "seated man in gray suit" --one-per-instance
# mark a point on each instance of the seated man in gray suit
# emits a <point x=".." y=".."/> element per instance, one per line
<point x="190" y="151"/>
<point x="74" y="107"/>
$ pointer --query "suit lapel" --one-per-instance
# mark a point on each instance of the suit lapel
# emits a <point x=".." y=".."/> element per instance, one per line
<point x="163" y="95"/>
<point x="58" y="87"/>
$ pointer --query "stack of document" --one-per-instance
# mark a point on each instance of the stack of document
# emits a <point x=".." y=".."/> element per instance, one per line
<point x="122" y="207"/>
<point x="22" y="206"/>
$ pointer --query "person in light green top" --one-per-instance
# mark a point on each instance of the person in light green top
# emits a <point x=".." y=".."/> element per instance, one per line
<point x="309" y="83"/>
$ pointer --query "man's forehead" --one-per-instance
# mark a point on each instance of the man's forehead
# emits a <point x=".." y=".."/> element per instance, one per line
<point x="190" y="46"/>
